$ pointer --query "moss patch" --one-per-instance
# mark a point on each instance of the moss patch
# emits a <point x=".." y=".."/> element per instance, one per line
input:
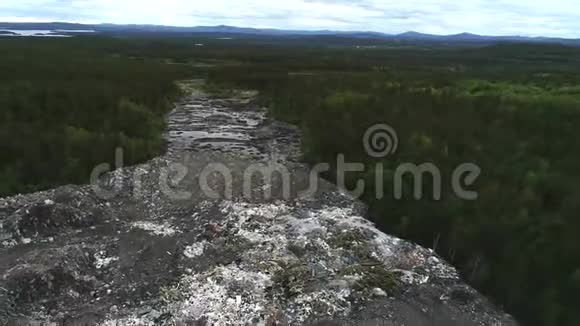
<point x="356" y="242"/>
<point x="373" y="275"/>
<point x="347" y="240"/>
<point x="292" y="279"/>
<point x="171" y="294"/>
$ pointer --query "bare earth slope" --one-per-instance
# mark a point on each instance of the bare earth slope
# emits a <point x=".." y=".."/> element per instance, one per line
<point x="169" y="253"/>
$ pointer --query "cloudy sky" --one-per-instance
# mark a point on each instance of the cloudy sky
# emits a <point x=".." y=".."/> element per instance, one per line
<point x="491" y="17"/>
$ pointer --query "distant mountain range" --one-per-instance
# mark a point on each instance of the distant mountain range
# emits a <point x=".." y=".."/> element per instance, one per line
<point x="231" y="30"/>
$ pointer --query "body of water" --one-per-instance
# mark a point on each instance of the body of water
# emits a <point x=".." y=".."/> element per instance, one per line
<point x="42" y="33"/>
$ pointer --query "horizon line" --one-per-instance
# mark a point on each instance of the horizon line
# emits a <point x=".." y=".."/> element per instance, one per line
<point x="296" y="30"/>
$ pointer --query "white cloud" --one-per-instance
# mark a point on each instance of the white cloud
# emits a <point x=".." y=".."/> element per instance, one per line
<point x="492" y="17"/>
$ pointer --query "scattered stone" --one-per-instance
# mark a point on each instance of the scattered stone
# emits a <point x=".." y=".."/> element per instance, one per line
<point x="164" y="229"/>
<point x="379" y="292"/>
<point x="195" y="250"/>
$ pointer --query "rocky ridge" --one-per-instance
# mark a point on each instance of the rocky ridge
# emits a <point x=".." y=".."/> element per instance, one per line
<point x="152" y="246"/>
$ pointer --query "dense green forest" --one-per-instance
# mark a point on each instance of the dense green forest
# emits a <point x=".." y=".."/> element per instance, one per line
<point x="512" y="109"/>
<point x="66" y="105"/>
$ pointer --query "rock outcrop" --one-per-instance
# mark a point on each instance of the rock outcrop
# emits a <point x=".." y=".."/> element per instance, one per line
<point x="154" y="245"/>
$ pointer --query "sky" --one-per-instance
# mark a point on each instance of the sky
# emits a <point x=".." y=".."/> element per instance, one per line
<point x="555" y="18"/>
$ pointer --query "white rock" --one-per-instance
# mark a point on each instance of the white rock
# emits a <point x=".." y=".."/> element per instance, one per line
<point x="164" y="229"/>
<point x="101" y="261"/>
<point x="195" y="250"/>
